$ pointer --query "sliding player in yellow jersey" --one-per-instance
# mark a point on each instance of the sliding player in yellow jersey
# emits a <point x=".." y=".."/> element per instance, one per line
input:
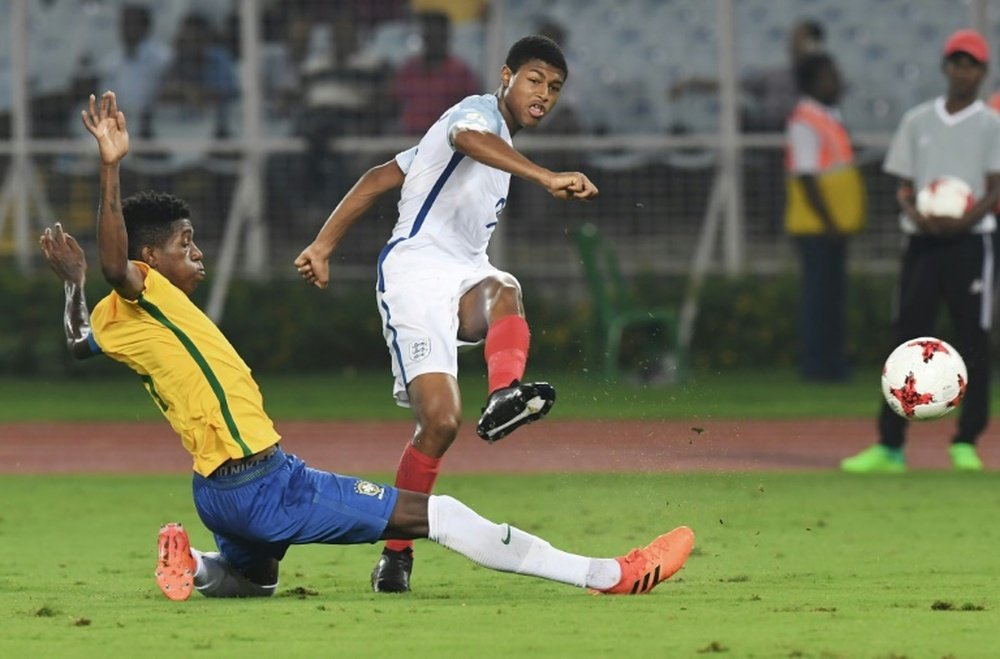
<point x="256" y="499"/>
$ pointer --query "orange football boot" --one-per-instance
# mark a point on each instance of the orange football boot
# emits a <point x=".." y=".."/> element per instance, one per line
<point x="643" y="568"/>
<point x="175" y="565"/>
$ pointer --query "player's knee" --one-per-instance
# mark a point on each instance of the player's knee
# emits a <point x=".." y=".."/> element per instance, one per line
<point x="442" y="427"/>
<point x="508" y="293"/>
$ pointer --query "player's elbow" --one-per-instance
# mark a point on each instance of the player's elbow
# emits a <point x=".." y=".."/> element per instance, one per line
<point x="79" y="349"/>
<point x="384" y="177"/>
<point x="466" y="141"/>
<point x="114" y="273"/>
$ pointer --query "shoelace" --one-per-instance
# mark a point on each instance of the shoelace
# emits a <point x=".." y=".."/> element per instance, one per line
<point x="633" y="556"/>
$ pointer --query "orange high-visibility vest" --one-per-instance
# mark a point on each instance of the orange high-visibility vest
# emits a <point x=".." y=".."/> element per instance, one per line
<point x="834" y="143"/>
<point x="838" y="179"/>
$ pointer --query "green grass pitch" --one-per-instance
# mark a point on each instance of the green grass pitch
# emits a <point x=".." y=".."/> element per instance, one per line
<point x="366" y="396"/>
<point x="786" y="565"/>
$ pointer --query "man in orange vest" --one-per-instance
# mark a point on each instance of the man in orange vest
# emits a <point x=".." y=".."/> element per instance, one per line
<point x="825" y="204"/>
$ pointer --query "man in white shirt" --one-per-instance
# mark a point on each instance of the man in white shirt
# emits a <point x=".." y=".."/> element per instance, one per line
<point x="947" y="260"/>
<point x="436" y="288"/>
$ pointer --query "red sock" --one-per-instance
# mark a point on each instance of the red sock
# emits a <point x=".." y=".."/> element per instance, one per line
<point x="506" y="351"/>
<point x="416" y="472"/>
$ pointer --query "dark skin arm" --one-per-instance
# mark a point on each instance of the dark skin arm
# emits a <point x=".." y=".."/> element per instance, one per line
<point x="107" y="124"/>
<point x="815" y="199"/>
<point x="942" y="226"/>
<point x="492" y="150"/>
<point x="313" y="263"/>
<point x="67" y="260"/>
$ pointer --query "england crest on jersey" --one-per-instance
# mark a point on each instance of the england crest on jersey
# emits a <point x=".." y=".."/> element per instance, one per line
<point x="420" y="349"/>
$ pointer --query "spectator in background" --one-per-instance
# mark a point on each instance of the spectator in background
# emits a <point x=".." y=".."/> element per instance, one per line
<point x="135" y="67"/>
<point x="284" y="52"/>
<point x="344" y="92"/>
<point x="768" y="96"/>
<point x="458" y="11"/>
<point x="369" y="13"/>
<point x="946" y="260"/>
<point x="203" y="75"/>
<point x="772" y="93"/>
<point x="431" y="82"/>
<point x="345" y="89"/>
<point x="825" y="205"/>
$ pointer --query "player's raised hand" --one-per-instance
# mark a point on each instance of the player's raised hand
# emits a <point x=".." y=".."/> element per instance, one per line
<point x="107" y="124"/>
<point x="572" y="185"/>
<point x="64" y="255"/>
<point x="314" y="267"/>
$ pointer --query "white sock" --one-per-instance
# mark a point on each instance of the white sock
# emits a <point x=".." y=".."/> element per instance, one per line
<point x="603" y="573"/>
<point x="199" y="570"/>
<point x="509" y="549"/>
<point x="214" y="577"/>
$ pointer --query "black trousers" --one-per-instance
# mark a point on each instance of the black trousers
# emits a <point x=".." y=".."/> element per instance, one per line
<point x="823" y="307"/>
<point x="957" y="271"/>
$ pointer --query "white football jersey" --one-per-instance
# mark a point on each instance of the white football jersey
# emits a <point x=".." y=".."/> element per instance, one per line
<point x="450" y="203"/>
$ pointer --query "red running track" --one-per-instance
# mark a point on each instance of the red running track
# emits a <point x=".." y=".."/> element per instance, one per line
<point x="549" y="446"/>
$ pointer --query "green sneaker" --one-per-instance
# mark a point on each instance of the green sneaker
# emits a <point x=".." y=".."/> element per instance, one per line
<point x="877" y="459"/>
<point x="964" y="457"/>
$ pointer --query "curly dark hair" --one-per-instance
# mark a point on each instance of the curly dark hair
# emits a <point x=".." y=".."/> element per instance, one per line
<point x="536" y="47"/>
<point x="149" y="217"/>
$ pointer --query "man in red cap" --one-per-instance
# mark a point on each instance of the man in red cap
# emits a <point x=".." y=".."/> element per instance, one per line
<point x="969" y="42"/>
<point x="947" y="260"/>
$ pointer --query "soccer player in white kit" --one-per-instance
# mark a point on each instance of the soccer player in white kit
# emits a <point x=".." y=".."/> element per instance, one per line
<point x="436" y="288"/>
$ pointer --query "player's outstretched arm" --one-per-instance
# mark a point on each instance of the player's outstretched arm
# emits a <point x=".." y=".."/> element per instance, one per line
<point x="67" y="260"/>
<point x="107" y="124"/>
<point x="313" y="263"/>
<point x="492" y="150"/>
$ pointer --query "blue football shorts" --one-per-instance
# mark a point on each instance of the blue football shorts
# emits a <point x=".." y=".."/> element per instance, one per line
<point x="257" y="514"/>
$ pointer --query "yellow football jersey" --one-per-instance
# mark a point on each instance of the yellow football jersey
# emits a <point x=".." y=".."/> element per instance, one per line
<point x="189" y="368"/>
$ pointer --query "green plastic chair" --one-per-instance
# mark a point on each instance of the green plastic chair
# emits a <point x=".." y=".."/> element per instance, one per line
<point x="614" y="309"/>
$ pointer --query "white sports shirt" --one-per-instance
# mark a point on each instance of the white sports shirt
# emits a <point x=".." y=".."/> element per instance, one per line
<point x="450" y="203"/>
<point x="930" y="143"/>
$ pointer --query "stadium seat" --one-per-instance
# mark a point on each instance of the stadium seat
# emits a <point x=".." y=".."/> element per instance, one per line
<point x="615" y="311"/>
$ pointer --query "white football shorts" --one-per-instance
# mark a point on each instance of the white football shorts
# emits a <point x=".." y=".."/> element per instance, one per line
<point x="418" y="302"/>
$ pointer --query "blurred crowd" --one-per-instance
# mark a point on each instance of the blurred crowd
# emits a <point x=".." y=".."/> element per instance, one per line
<point x="390" y="68"/>
<point x="320" y="74"/>
<point x="321" y="77"/>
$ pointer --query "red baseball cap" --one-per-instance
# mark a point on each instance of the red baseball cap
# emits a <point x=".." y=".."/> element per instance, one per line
<point x="969" y="42"/>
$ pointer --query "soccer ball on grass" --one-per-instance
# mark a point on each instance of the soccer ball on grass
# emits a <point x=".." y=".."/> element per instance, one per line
<point x="924" y="378"/>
